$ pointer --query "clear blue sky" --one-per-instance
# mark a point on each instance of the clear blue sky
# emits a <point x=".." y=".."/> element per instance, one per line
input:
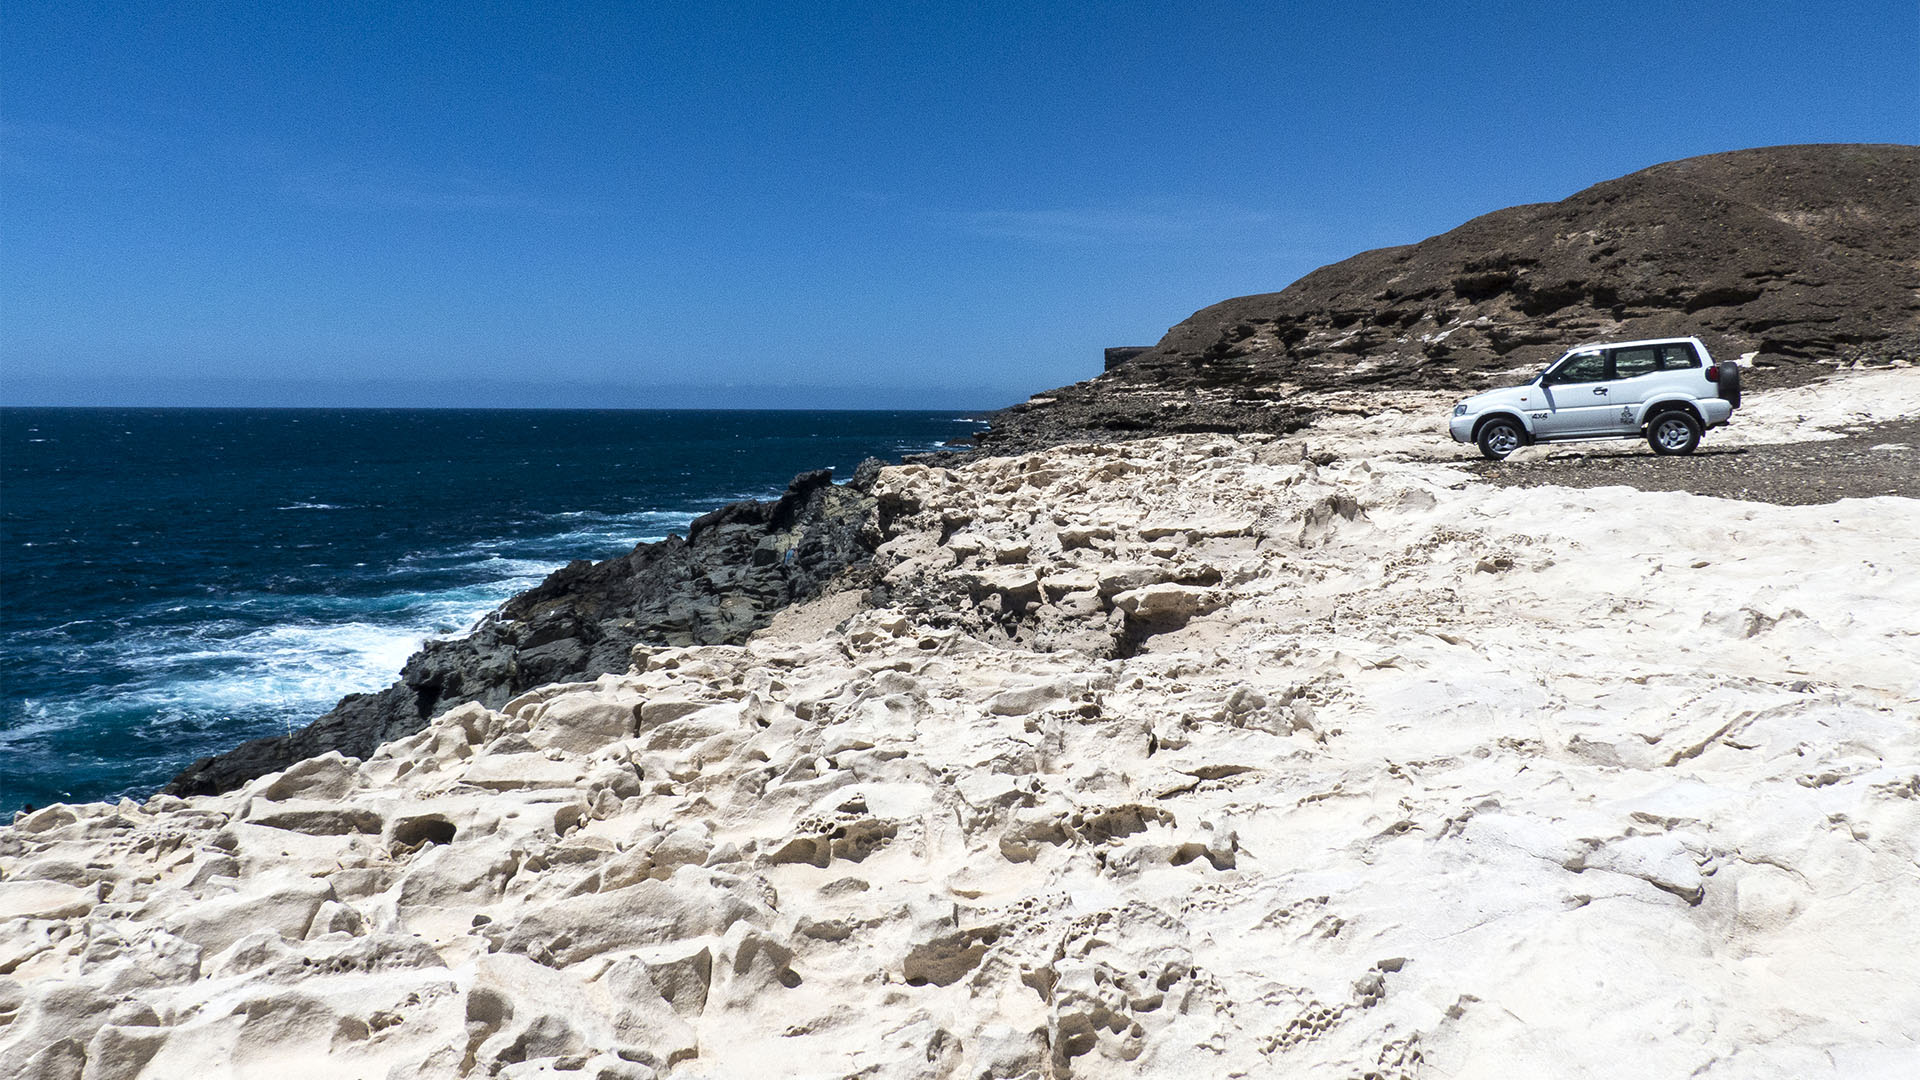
<point x="937" y="204"/>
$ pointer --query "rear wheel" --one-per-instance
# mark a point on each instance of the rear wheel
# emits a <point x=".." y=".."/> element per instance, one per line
<point x="1673" y="433"/>
<point x="1498" y="438"/>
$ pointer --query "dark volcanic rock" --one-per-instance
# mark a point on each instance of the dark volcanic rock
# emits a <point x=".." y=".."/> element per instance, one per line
<point x="737" y="566"/>
<point x="1796" y="253"/>
<point x="1103" y="411"/>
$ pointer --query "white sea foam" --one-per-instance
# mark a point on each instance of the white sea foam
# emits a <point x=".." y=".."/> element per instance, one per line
<point x="36" y="719"/>
<point x="310" y="663"/>
<point x="207" y="666"/>
<point x="610" y="537"/>
<point x="221" y="668"/>
<point x="501" y="568"/>
<point x="292" y="666"/>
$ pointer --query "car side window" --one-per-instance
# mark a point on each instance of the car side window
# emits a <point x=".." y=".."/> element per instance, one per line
<point x="1675" y="357"/>
<point x="1628" y="363"/>
<point x="1583" y="368"/>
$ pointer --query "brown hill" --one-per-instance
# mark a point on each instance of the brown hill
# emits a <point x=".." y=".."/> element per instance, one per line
<point x="1798" y="254"/>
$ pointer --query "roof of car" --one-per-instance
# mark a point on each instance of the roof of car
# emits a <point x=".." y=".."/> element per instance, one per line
<point x="1642" y="341"/>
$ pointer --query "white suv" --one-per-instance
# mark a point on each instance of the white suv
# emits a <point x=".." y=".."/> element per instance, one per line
<point x="1668" y="389"/>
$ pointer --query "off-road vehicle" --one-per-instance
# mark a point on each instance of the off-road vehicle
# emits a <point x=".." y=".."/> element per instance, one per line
<point x="1666" y="389"/>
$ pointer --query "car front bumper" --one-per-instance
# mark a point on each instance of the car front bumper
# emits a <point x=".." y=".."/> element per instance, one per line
<point x="1461" y="427"/>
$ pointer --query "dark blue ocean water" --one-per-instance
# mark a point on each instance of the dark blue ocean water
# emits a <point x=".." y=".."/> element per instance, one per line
<point x="174" y="581"/>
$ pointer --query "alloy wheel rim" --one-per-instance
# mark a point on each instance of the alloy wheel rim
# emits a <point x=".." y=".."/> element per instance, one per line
<point x="1673" y="434"/>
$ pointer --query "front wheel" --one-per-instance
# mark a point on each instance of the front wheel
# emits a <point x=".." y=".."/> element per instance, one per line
<point x="1498" y="438"/>
<point x="1673" y="433"/>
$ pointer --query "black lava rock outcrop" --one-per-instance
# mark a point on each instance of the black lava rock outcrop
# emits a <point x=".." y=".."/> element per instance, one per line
<point x="735" y="568"/>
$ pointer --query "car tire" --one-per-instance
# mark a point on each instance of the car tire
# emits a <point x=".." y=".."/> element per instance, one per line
<point x="1730" y="384"/>
<point x="1500" y="437"/>
<point x="1673" y="432"/>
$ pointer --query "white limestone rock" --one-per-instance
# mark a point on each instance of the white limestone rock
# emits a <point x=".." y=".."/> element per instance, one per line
<point x="1192" y="756"/>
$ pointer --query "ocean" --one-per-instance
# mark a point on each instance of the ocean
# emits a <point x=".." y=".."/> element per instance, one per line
<point x="176" y="581"/>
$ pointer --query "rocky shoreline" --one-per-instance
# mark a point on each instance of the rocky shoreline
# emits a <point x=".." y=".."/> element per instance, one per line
<point x="1764" y="252"/>
<point x="1317" y="755"/>
<point x="736" y="567"/>
<point x="735" y="570"/>
<point x="742" y="564"/>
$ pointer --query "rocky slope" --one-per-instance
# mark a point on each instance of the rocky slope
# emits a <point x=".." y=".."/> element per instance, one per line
<point x="1797" y="254"/>
<point x="1203" y="755"/>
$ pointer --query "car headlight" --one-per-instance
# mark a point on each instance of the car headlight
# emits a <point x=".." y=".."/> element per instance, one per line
<point x="1460" y="409"/>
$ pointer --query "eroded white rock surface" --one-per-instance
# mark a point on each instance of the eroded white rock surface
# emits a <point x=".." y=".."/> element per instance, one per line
<point x="1182" y="758"/>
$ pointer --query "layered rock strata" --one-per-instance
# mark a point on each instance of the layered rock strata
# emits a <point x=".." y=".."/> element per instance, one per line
<point x="1202" y="755"/>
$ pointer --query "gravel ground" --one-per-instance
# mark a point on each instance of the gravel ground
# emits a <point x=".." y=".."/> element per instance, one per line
<point x="1875" y="459"/>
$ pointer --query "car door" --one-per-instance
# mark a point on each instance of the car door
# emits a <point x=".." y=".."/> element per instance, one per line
<point x="1578" y="396"/>
<point x="1635" y="379"/>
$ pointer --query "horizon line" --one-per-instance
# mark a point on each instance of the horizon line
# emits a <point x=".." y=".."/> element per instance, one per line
<point x="501" y="408"/>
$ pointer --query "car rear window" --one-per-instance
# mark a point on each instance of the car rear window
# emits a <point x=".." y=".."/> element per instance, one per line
<point x="1678" y="356"/>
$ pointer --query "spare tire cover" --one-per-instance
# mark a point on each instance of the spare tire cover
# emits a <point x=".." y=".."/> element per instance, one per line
<point x="1730" y="383"/>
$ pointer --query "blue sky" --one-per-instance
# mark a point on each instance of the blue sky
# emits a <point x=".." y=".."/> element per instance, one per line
<point x="858" y="205"/>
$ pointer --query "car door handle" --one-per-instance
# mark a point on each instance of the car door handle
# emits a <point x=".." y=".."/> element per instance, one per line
<point x="1601" y="390"/>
